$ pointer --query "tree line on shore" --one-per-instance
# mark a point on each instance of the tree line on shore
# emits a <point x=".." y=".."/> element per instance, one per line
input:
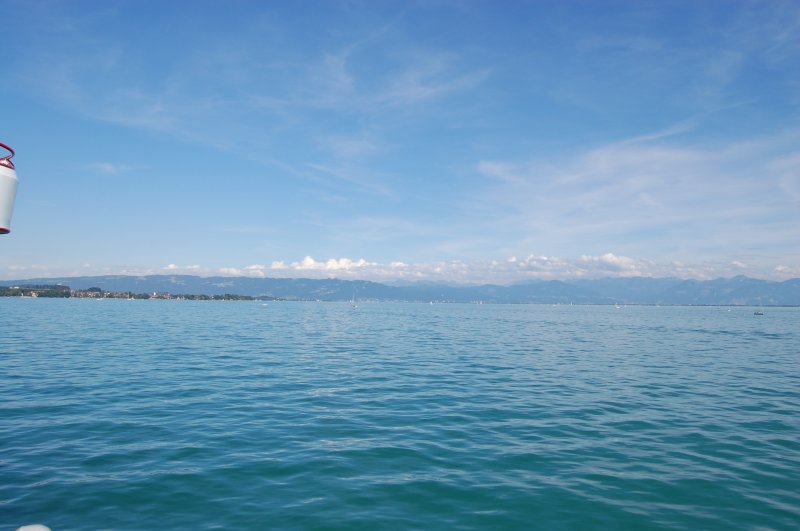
<point x="63" y="292"/>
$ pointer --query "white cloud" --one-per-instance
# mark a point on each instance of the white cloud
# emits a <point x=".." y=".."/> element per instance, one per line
<point x="618" y="265"/>
<point x="193" y="269"/>
<point x="342" y="265"/>
<point x="497" y="271"/>
<point x="509" y="270"/>
<point x="783" y="272"/>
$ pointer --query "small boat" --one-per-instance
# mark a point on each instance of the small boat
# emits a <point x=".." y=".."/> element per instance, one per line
<point x="757" y="312"/>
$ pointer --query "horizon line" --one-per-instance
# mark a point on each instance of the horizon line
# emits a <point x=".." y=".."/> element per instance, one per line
<point x="400" y="280"/>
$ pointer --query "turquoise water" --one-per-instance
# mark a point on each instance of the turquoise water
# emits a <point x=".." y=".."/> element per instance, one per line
<point x="221" y="415"/>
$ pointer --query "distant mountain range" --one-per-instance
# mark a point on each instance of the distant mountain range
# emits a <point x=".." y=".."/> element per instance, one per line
<point x="737" y="291"/>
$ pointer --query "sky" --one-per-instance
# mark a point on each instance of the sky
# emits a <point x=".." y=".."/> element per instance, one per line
<point x="456" y="141"/>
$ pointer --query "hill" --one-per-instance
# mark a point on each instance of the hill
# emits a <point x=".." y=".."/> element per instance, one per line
<point x="732" y="291"/>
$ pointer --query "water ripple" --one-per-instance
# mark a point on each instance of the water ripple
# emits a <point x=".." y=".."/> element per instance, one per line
<point x="193" y="415"/>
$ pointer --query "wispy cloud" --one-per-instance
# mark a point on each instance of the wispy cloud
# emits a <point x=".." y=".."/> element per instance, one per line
<point x="110" y="84"/>
<point x="428" y="77"/>
<point x="350" y="147"/>
<point x="626" y="194"/>
<point x="357" y="178"/>
<point x="111" y="168"/>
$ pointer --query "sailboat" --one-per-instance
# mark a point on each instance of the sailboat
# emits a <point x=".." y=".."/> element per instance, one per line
<point x="353" y="302"/>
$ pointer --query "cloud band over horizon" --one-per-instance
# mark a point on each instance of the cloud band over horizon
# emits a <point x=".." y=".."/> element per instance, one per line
<point x="504" y="272"/>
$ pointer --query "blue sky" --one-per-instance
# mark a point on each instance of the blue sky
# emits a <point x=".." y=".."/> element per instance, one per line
<point x="460" y="141"/>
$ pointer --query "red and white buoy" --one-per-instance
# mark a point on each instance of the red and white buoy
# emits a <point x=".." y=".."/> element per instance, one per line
<point x="8" y="189"/>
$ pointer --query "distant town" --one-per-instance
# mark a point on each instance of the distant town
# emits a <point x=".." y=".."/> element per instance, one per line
<point x="63" y="292"/>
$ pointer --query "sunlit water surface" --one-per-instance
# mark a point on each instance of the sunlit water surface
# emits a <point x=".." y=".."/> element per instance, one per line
<point x="220" y="415"/>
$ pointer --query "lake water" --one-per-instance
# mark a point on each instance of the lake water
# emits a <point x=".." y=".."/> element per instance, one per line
<point x="122" y="414"/>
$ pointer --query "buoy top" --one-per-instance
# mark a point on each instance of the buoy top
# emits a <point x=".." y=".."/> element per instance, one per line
<point x="6" y="161"/>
